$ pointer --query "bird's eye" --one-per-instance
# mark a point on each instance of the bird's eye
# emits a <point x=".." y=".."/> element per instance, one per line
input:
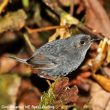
<point x="82" y="42"/>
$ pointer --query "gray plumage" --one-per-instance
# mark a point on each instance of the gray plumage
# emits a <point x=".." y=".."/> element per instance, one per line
<point x="60" y="57"/>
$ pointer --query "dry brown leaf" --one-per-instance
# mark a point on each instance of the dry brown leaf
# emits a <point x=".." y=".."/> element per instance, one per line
<point x="61" y="32"/>
<point x="106" y="70"/>
<point x="108" y="54"/>
<point x="22" y="69"/>
<point x="103" y="81"/>
<point x="99" y="59"/>
<point x="7" y="37"/>
<point x="96" y="17"/>
<point x="63" y="93"/>
<point x="13" y="21"/>
<point x="81" y="81"/>
<point x="59" y="86"/>
<point x="100" y="99"/>
<point x="97" y="63"/>
<point x="3" y="4"/>
<point x="28" y="95"/>
<point x="65" y="20"/>
<point x="65" y="2"/>
<point x="6" y="64"/>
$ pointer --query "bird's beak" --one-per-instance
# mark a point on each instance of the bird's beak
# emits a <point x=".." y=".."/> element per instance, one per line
<point x="95" y="38"/>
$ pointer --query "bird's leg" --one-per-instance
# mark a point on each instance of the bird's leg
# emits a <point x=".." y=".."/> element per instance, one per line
<point x="47" y="76"/>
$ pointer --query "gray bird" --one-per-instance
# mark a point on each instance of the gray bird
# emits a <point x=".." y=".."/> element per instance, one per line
<point x="60" y="57"/>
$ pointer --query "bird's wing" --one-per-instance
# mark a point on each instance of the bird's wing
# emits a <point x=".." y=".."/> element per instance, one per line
<point x="42" y="61"/>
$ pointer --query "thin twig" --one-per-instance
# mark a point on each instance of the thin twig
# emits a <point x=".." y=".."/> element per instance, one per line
<point x="44" y="28"/>
<point x="72" y="7"/>
<point x="32" y="48"/>
<point x="49" y="83"/>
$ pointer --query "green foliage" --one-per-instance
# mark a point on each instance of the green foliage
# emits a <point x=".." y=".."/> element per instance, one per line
<point x="25" y="3"/>
<point x="47" y="99"/>
<point x="8" y="83"/>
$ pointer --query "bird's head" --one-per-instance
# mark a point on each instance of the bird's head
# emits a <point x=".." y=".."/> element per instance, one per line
<point x="82" y="41"/>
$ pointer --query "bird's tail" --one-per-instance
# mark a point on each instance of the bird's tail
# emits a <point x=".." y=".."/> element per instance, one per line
<point x="18" y="59"/>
